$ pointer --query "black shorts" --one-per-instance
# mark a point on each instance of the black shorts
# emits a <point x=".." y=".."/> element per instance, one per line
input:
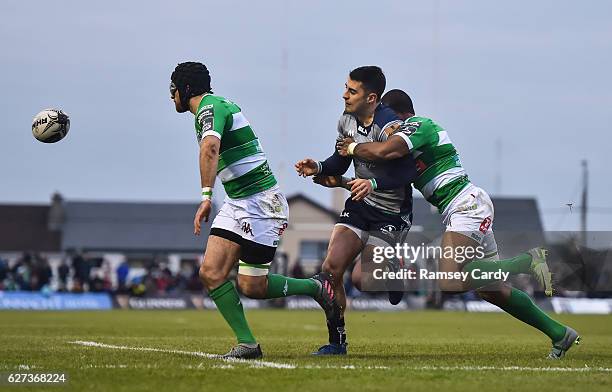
<point x="250" y="252"/>
<point x="391" y="228"/>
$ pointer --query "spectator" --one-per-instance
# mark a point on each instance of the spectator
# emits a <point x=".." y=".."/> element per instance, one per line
<point x="22" y="272"/>
<point x="62" y="274"/>
<point x="41" y="273"/>
<point x="81" y="268"/>
<point x="122" y="273"/>
<point x="4" y="271"/>
<point x="195" y="283"/>
<point x="297" y="271"/>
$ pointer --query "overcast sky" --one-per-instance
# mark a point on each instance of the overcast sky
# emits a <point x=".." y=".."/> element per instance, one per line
<point x="523" y="89"/>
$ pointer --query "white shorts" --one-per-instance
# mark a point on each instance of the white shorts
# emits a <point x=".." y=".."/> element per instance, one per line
<point x="471" y="213"/>
<point x="260" y="218"/>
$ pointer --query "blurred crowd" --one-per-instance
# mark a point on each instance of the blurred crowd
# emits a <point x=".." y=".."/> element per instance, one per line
<point x="586" y="273"/>
<point x="78" y="273"/>
<point x="30" y="273"/>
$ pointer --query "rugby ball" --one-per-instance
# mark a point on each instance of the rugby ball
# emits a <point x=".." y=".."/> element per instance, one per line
<point x="50" y="125"/>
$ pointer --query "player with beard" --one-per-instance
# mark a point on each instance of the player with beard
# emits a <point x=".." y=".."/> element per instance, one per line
<point x="254" y="215"/>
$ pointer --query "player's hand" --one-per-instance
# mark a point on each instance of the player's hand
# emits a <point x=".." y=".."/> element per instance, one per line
<point x="342" y="146"/>
<point x="328" y="181"/>
<point x="391" y="129"/>
<point x="360" y="188"/>
<point x="202" y="213"/>
<point x="307" y="167"/>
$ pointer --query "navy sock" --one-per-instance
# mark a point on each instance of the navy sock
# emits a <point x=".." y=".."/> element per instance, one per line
<point x="337" y="333"/>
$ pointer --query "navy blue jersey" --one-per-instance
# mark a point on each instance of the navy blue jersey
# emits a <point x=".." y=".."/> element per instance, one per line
<point x="394" y="192"/>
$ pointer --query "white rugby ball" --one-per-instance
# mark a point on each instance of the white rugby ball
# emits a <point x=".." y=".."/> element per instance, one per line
<point x="50" y="125"/>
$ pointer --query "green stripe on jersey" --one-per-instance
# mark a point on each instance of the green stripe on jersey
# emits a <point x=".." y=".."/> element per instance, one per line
<point x="254" y="181"/>
<point x="440" y="174"/>
<point x="447" y="192"/>
<point x="235" y="154"/>
<point x="219" y="117"/>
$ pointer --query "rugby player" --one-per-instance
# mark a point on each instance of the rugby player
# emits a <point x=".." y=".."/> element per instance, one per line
<point x="254" y="215"/>
<point x="467" y="212"/>
<point x="385" y="213"/>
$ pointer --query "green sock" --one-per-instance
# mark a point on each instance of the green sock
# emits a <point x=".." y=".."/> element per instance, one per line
<point x="522" y="307"/>
<point x="228" y="302"/>
<point x="282" y="286"/>
<point x="516" y="265"/>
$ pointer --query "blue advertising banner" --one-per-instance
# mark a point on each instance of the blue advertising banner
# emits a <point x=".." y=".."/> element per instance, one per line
<point x="56" y="301"/>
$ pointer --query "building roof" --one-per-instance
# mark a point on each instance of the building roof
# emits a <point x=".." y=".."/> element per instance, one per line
<point x="124" y="226"/>
<point x="168" y="227"/>
<point x="301" y="197"/>
<point x="25" y="228"/>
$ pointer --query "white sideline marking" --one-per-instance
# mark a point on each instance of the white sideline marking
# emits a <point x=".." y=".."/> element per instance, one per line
<point x="513" y="368"/>
<point x="262" y="364"/>
<point x="253" y="363"/>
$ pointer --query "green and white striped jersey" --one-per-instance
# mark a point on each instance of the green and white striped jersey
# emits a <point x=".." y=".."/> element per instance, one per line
<point x="243" y="168"/>
<point x="440" y="174"/>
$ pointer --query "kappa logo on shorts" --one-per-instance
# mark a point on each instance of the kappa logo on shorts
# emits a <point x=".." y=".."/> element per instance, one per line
<point x="484" y="226"/>
<point x="246" y="227"/>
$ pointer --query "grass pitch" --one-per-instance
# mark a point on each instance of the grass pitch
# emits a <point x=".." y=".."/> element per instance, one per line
<point x="169" y="351"/>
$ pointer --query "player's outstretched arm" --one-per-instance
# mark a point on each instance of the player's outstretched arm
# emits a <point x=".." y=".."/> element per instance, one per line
<point x="393" y="148"/>
<point x="332" y="181"/>
<point x="335" y="165"/>
<point x="209" y="157"/>
<point x="306" y="167"/>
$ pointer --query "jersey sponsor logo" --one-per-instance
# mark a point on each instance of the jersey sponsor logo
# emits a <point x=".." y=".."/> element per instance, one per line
<point x="265" y="169"/>
<point x="362" y="130"/>
<point x="484" y="226"/>
<point x="410" y="128"/>
<point x="206" y="118"/>
<point x="246" y="228"/>
<point x="366" y="164"/>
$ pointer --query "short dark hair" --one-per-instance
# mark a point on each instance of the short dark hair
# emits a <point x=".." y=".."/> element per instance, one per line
<point x="372" y="78"/>
<point x="398" y="101"/>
